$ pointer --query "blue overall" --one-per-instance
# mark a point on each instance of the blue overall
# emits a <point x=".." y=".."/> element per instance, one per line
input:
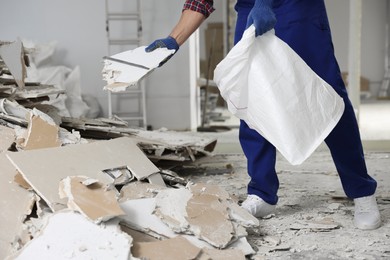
<point x="304" y="26"/>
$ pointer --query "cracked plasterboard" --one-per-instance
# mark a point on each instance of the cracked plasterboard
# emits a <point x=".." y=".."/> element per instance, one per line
<point x="93" y="201"/>
<point x="41" y="132"/>
<point x="216" y="254"/>
<point x="7" y="137"/>
<point x="13" y="56"/>
<point x="178" y="248"/>
<point x="121" y="75"/>
<point x="15" y="204"/>
<point x="43" y="169"/>
<point x="139" y="190"/>
<point x="69" y="235"/>
<point x="209" y="220"/>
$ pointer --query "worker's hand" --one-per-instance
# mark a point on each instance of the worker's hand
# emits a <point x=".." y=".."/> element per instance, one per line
<point x="262" y="16"/>
<point x="169" y="43"/>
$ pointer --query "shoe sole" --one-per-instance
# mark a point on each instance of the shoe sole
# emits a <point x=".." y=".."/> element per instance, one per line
<point x="368" y="227"/>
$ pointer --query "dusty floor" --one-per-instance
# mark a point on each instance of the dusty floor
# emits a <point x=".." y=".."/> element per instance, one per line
<point x="313" y="219"/>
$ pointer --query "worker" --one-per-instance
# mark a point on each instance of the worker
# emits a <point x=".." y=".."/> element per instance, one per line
<point x="304" y="26"/>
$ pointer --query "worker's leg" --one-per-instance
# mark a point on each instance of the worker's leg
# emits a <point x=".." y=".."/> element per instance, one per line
<point x="261" y="157"/>
<point x="312" y="41"/>
<point x="260" y="154"/>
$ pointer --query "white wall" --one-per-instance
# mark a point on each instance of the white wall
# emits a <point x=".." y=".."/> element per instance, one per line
<point x="373" y="37"/>
<point x="79" y="28"/>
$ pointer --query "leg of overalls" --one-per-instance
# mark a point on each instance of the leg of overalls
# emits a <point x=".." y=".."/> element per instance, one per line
<point x="311" y="39"/>
<point x="261" y="154"/>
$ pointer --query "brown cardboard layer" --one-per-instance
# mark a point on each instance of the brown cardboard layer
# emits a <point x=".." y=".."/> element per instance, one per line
<point x="94" y="201"/>
<point x="177" y="248"/>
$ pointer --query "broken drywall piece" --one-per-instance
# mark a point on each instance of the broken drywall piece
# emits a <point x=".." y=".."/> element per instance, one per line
<point x="94" y="201"/>
<point x="43" y="169"/>
<point x="7" y="138"/>
<point x="236" y="213"/>
<point x="209" y="220"/>
<point x="177" y="248"/>
<point x="16" y="203"/>
<point x="12" y="108"/>
<point x="156" y="179"/>
<point x="243" y="245"/>
<point x="216" y="254"/>
<point x="171" y="207"/>
<point x="127" y="68"/>
<point x="13" y="56"/>
<point x="139" y="216"/>
<point x="68" y="235"/>
<point x="323" y="225"/>
<point x="139" y="190"/>
<point x="41" y="132"/>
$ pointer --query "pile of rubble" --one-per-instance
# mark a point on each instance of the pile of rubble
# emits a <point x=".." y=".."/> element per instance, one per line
<point x="97" y="189"/>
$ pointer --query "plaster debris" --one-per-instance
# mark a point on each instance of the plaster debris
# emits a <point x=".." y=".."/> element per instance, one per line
<point x="92" y="200"/>
<point x="139" y="190"/>
<point x="7" y="137"/>
<point x="177" y="248"/>
<point x="316" y="226"/>
<point x="216" y="254"/>
<point x="85" y="160"/>
<point x="41" y="132"/>
<point x="68" y="235"/>
<point x="13" y="56"/>
<point x="127" y="68"/>
<point x="16" y="203"/>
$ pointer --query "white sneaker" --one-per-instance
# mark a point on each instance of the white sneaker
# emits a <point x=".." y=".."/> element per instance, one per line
<point x="366" y="213"/>
<point x="257" y="206"/>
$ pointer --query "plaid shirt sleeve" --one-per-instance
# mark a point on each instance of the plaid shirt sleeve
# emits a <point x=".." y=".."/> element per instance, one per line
<point x="204" y="7"/>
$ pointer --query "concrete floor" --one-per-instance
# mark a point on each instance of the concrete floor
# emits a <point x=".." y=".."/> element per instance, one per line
<point x="313" y="219"/>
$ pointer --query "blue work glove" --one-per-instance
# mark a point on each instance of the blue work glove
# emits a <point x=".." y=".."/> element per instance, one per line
<point x="262" y="16"/>
<point x="169" y="43"/>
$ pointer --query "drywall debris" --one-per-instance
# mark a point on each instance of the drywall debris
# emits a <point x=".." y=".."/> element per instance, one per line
<point x="171" y="208"/>
<point x="15" y="204"/>
<point x="79" y="160"/>
<point x="216" y="254"/>
<point x="127" y="68"/>
<point x="209" y="220"/>
<point x="41" y="132"/>
<point x="139" y="190"/>
<point x="139" y="216"/>
<point x="13" y="56"/>
<point x="323" y="225"/>
<point x="68" y="235"/>
<point x="178" y="248"/>
<point x="91" y="199"/>
<point x="7" y="137"/>
<point x="13" y="109"/>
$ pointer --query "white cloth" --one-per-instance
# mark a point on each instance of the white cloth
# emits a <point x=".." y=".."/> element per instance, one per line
<point x="266" y="84"/>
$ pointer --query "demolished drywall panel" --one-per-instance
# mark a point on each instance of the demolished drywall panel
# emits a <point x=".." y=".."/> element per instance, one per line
<point x="15" y="204"/>
<point x="216" y="254"/>
<point x="41" y="132"/>
<point x="18" y="179"/>
<point x="209" y="220"/>
<point x="69" y="235"/>
<point x="125" y="69"/>
<point x="94" y="200"/>
<point x="177" y="248"/>
<point x="13" y="56"/>
<point x="43" y="169"/>
<point x="243" y="245"/>
<point x="139" y="190"/>
<point x="171" y="208"/>
<point x="139" y="216"/>
<point x="7" y="137"/>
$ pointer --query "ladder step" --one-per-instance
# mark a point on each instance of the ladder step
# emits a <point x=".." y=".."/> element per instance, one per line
<point x="123" y="16"/>
<point x="123" y="41"/>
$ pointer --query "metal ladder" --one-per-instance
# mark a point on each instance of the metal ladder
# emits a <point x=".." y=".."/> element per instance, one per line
<point x="118" y="23"/>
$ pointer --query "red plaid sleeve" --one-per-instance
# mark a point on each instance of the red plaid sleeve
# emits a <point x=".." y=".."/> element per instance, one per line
<point x="204" y="7"/>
